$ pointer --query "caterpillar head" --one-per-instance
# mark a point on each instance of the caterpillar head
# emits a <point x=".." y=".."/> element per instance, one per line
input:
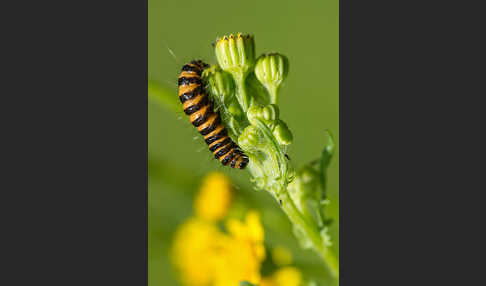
<point x="202" y="65"/>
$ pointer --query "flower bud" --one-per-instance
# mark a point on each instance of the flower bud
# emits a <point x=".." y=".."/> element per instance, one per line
<point x="254" y="113"/>
<point x="270" y="113"/>
<point x="236" y="54"/>
<point x="220" y="83"/>
<point x="282" y="133"/>
<point x="235" y="109"/>
<point x="249" y="138"/>
<point x="271" y="70"/>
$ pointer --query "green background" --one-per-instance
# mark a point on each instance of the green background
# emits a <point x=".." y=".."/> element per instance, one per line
<point x="179" y="31"/>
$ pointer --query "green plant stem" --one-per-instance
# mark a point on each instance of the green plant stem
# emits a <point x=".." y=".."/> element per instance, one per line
<point x="273" y="92"/>
<point x="241" y="94"/>
<point x="297" y="218"/>
<point x="311" y="232"/>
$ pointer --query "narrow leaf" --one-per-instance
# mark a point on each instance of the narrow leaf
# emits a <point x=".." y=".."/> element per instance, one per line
<point x="326" y="157"/>
<point x="163" y="96"/>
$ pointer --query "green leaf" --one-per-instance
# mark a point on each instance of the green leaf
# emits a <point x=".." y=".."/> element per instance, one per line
<point x="163" y="96"/>
<point x="326" y="157"/>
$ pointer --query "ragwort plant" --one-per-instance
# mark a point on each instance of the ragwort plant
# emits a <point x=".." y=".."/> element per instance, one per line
<point x="246" y="91"/>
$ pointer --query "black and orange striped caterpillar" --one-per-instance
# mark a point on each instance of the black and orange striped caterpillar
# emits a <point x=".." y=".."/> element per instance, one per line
<point x="199" y="107"/>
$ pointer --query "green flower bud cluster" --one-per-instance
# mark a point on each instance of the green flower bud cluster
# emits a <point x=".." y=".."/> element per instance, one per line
<point x="269" y="115"/>
<point x="254" y="122"/>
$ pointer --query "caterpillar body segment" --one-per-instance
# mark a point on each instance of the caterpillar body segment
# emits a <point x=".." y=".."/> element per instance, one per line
<point x="197" y="105"/>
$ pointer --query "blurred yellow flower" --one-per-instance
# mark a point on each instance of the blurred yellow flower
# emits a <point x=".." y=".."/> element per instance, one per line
<point x="286" y="276"/>
<point x="250" y="231"/>
<point x="243" y="252"/>
<point x="281" y="256"/>
<point x="214" y="197"/>
<point x="195" y="243"/>
<point x="204" y="255"/>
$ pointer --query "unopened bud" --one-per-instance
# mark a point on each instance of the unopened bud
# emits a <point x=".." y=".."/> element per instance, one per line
<point x="236" y="54"/>
<point x="249" y="138"/>
<point x="220" y="83"/>
<point x="282" y="133"/>
<point x="271" y="70"/>
<point x="270" y="113"/>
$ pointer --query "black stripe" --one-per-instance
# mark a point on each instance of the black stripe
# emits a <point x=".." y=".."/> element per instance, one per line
<point x="220" y="144"/>
<point x="226" y="159"/>
<point x="191" y="68"/>
<point x="200" y="63"/>
<point x="191" y="94"/>
<point x="215" y="137"/>
<point x="212" y="127"/>
<point x="240" y="152"/>
<point x="188" y="80"/>
<point x="193" y="108"/>
<point x="224" y="150"/>
<point x="244" y="163"/>
<point x="201" y="119"/>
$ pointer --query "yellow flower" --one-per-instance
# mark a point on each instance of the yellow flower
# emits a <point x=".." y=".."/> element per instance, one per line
<point x="214" y="198"/>
<point x="286" y="276"/>
<point x="195" y="244"/>
<point x="206" y="256"/>
<point x="243" y="252"/>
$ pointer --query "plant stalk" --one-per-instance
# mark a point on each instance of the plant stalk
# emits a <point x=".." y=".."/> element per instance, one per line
<point x="311" y="232"/>
<point x="273" y="92"/>
<point x="241" y="95"/>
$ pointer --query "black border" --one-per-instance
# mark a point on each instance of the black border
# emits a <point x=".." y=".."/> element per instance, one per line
<point x="409" y="125"/>
<point x="76" y="143"/>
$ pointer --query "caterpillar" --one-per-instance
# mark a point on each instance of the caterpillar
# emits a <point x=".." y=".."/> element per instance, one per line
<point x="199" y="107"/>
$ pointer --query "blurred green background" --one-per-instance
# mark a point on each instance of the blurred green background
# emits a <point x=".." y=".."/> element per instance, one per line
<point x="179" y="31"/>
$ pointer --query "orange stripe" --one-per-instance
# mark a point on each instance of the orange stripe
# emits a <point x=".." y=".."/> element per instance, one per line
<point x="226" y="155"/>
<point x="208" y="122"/>
<point x="238" y="162"/>
<point x="217" y="141"/>
<point x="215" y="131"/>
<point x="188" y="74"/>
<point x="198" y="113"/>
<point x="224" y="146"/>
<point x="187" y="88"/>
<point x="193" y="101"/>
